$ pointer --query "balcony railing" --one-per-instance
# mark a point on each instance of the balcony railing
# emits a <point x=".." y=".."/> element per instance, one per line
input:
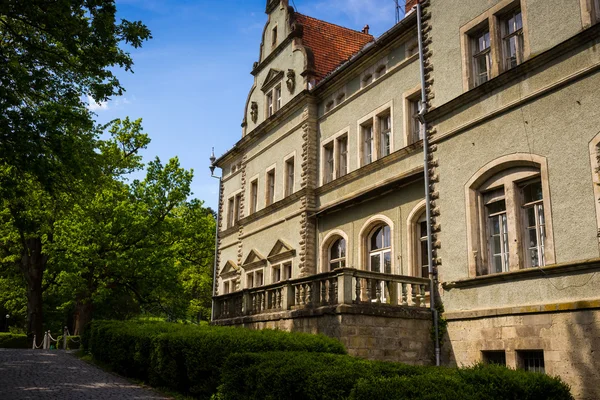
<point x="341" y="286"/>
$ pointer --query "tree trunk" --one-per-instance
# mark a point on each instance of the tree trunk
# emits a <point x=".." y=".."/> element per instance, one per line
<point x="33" y="265"/>
<point x="83" y="315"/>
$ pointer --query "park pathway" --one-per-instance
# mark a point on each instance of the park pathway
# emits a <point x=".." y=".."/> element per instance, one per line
<point x="47" y="374"/>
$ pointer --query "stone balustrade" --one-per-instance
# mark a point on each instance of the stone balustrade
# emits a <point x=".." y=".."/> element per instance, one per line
<point x="341" y="286"/>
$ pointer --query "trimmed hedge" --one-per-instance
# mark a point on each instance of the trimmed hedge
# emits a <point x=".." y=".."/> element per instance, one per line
<point x="13" y="341"/>
<point x="329" y="376"/>
<point x="296" y="375"/>
<point x="187" y="358"/>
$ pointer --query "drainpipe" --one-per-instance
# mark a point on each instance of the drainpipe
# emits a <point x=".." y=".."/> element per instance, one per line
<point x="214" y="288"/>
<point x="421" y="117"/>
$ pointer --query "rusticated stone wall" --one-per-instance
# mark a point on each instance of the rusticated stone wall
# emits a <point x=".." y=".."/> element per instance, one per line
<point x="570" y="341"/>
<point x="375" y="332"/>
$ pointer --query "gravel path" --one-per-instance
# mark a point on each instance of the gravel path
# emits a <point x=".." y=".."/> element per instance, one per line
<point x="44" y="374"/>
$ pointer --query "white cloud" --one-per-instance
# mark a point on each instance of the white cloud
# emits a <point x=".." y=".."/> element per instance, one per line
<point x="94" y="106"/>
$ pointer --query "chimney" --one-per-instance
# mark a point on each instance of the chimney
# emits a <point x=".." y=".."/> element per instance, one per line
<point x="409" y="5"/>
<point x="366" y="30"/>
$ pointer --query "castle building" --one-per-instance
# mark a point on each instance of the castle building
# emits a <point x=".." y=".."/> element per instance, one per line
<point x="323" y="226"/>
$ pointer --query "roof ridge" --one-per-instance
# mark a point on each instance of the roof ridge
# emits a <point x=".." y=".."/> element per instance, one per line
<point x="339" y="26"/>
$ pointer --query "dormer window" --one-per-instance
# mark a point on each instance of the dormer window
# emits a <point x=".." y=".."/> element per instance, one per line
<point x="273" y="100"/>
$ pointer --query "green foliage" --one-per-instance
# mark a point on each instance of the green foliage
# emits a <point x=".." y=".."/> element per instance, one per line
<point x="13" y="341"/>
<point x="330" y="376"/>
<point x="298" y="375"/>
<point x="187" y="358"/>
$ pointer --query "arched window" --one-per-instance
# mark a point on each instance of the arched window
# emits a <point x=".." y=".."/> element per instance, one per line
<point x="508" y="209"/>
<point x="422" y="254"/>
<point x="337" y="254"/>
<point x="380" y="249"/>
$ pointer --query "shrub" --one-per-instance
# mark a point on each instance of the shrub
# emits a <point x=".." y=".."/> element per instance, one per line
<point x="296" y="375"/>
<point x="13" y="341"/>
<point x="329" y="376"/>
<point x="187" y="358"/>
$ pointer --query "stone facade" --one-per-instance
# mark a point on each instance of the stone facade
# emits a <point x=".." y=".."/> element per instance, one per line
<point x="511" y="96"/>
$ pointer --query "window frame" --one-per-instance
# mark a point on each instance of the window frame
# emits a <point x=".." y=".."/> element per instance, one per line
<point x="525" y="357"/>
<point x="274" y="36"/>
<point x="372" y="121"/>
<point x="510" y="171"/>
<point x="238" y="208"/>
<point x="289" y="177"/>
<point x="330" y="167"/>
<point x="492" y="18"/>
<point x="477" y="53"/>
<point x="270" y="186"/>
<point x="487" y="357"/>
<point x="230" y="211"/>
<point x="253" y="204"/>
<point x="506" y="35"/>
<point x="342" y="155"/>
<point x="341" y="260"/>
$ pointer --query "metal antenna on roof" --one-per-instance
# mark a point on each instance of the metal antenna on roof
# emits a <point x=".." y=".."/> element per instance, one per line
<point x="398" y="10"/>
<point x="294" y="4"/>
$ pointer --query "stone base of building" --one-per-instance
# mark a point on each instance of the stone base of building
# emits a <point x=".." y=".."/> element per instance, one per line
<point x="371" y="331"/>
<point x="570" y="341"/>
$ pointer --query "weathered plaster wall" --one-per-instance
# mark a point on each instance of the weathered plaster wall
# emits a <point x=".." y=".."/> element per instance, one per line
<point x="396" y="206"/>
<point x="549" y="21"/>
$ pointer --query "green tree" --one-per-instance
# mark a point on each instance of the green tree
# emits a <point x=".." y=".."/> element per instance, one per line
<point x="53" y="54"/>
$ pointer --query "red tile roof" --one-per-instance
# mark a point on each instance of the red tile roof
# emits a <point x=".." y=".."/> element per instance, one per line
<point x="330" y="44"/>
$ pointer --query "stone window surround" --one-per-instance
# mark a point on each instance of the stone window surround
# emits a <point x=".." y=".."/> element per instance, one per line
<point x="594" y="147"/>
<point x="475" y="224"/>
<point x="231" y="213"/>
<point x="374" y="72"/>
<point x="387" y="108"/>
<point x="492" y="17"/>
<point x="412" y="229"/>
<point x="253" y="179"/>
<point x="364" y="234"/>
<point x="589" y="13"/>
<point x="334" y="141"/>
<point x="326" y="243"/>
<point x="268" y="170"/>
<point x="281" y="265"/>
<point x="285" y="173"/>
<point x="407" y="99"/>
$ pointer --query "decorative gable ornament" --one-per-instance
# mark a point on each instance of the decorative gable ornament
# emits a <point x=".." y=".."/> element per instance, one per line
<point x="272" y="78"/>
<point x="254" y="111"/>
<point x="230" y="269"/>
<point x="281" y="251"/>
<point x="254" y="260"/>
<point x="291" y="80"/>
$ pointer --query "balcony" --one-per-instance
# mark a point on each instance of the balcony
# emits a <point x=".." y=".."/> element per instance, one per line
<point x="344" y="286"/>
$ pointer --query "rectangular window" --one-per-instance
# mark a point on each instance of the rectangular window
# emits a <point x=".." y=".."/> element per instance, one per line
<point x="342" y="156"/>
<point x="287" y="271"/>
<point x="230" y="212"/>
<point x="250" y="280"/>
<point x="534" y="223"/>
<point x="495" y="205"/>
<point x="494" y="357"/>
<point x="278" y="98"/>
<point x="274" y="37"/>
<point x="238" y="209"/>
<point x="367" y="144"/>
<point x="328" y="162"/>
<point x="270" y="186"/>
<point x="482" y="57"/>
<point x="289" y="176"/>
<point x="385" y="131"/>
<point x="512" y="39"/>
<point x="269" y="104"/>
<point x="276" y="273"/>
<point x="253" y="196"/>
<point x="258" y="279"/>
<point x="531" y="360"/>
<point x="414" y="125"/>
<point x="226" y="287"/>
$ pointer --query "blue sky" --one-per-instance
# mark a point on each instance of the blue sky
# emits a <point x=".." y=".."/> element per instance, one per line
<point x="192" y="79"/>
